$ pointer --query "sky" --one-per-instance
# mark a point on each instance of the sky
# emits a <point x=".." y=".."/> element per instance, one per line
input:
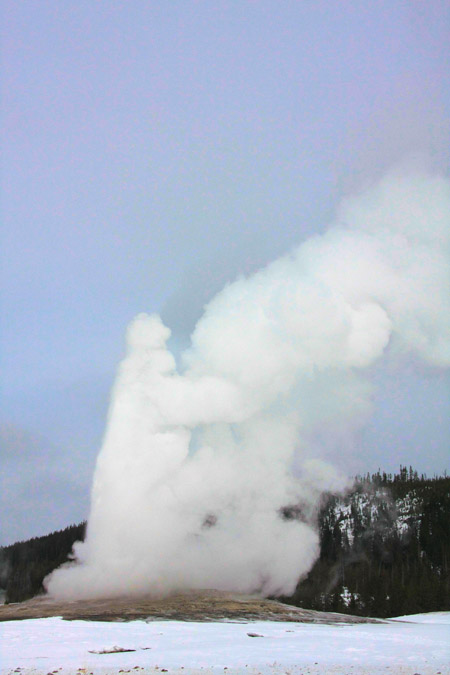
<point x="154" y="151"/>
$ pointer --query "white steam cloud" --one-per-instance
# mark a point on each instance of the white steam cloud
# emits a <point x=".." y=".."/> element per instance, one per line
<point x="197" y="466"/>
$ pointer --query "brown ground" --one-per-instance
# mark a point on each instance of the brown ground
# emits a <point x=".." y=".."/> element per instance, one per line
<point x="188" y="606"/>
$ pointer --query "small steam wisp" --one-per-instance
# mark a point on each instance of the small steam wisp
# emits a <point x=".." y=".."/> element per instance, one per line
<point x="198" y="466"/>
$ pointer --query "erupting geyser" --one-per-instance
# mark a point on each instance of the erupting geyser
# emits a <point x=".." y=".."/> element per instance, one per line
<point x="196" y="466"/>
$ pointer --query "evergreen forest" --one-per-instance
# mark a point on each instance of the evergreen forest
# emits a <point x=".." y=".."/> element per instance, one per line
<point x="384" y="548"/>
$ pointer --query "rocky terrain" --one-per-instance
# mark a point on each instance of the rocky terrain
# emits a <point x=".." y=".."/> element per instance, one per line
<point x="205" y="606"/>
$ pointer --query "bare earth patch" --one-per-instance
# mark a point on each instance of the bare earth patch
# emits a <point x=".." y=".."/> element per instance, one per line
<point x="207" y="605"/>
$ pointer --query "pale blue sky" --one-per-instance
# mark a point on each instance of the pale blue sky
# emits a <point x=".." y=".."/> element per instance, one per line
<point x="153" y="151"/>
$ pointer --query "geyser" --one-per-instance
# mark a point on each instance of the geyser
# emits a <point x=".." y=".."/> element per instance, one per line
<point x="198" y="466"/>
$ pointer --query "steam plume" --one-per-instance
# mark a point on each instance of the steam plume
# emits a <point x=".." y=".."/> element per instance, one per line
<point x="196" y="466"/>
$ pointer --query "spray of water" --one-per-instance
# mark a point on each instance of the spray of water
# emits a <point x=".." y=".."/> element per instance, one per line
<point x="198" y="464"/>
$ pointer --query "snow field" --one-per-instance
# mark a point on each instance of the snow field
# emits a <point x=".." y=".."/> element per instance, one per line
<point x="41" y="646"/>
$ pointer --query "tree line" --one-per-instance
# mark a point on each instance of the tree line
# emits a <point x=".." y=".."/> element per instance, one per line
<point x="25" y="564"/>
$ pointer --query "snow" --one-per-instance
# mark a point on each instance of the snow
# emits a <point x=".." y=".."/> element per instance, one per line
<point x="403" y="510"/>
<point x="429" y="617"/>
<point x="42" y="646"/>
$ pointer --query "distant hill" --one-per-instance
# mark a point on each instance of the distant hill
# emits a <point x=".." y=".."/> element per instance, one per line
<point x="384" y="550"/>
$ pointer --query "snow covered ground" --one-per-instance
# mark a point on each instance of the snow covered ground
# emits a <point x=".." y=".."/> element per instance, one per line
<point x="429" y="617"/>
<point x="41" y="646"/>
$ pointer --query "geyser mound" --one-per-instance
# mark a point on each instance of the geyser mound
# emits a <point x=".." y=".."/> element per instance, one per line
<point x="198" y="466"/>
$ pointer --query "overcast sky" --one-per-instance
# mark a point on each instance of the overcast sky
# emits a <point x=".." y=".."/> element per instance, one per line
<point x="155" y="150"/>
